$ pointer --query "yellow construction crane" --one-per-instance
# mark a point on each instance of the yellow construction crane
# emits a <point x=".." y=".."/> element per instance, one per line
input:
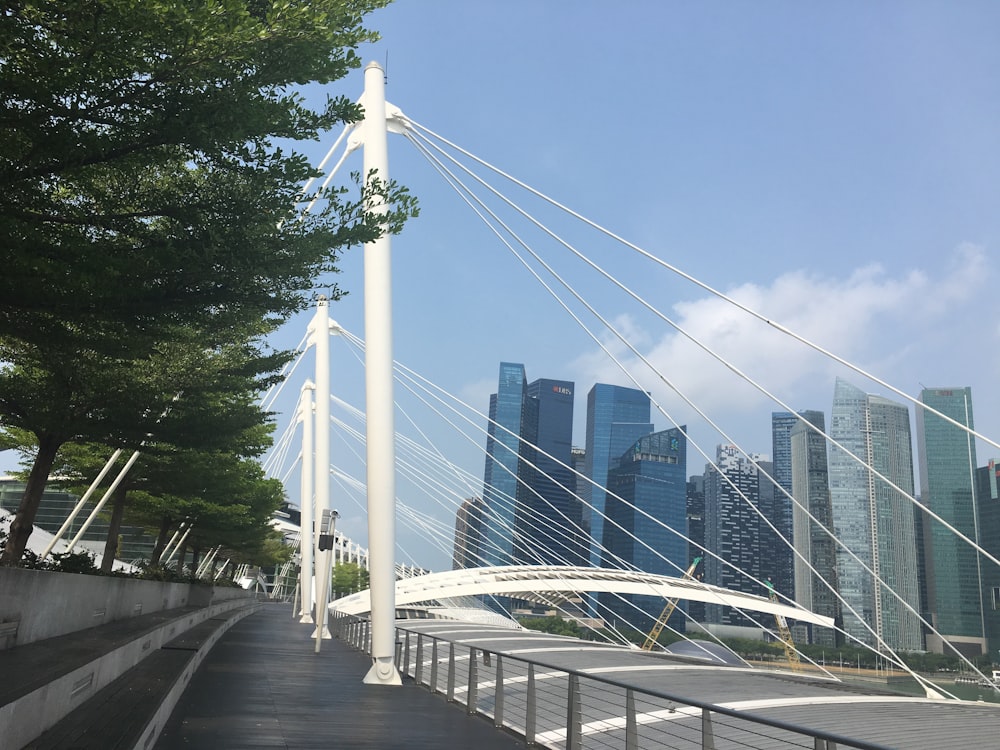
<point x="784" y="634"/>
<point x="667" y="611"/>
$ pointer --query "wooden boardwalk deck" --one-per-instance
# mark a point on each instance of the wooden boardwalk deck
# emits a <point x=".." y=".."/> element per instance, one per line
<point x="263" y="686"/>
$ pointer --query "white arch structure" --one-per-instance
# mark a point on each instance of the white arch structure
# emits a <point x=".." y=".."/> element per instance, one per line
<point x="548" y="584"/>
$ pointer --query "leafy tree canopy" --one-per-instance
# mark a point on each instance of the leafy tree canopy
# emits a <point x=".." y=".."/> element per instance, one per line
<point x="143" y="186"/>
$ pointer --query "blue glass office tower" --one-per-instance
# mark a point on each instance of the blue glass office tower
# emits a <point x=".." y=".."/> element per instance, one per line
<point x="502" y="464"/>
<point x="616" y="418"/>
<point x="547" y="519"/>
<point x="531" y="516"/>
<point x="649" y="486"/>
<point x="988" y="506"/>
<point x="812" y="525"/>
<point x="783" y="566"/>
<point x="947" y="483"/>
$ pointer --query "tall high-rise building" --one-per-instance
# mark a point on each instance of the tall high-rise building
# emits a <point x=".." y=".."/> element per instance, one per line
<point x="616" y="418"/>
<point x="695" y="498"/>
<point x="873" y="519"/>
<point x="812" y="524"/>
<point x="988" y="506"/>
<point x="468" y="532"/>
<point x="547" y="518"/>
<point x="503" y="449"/>
<point x="782" y="425"/>
<point x="732" y="530"/>
<point x="947" y="456"/>
<point x="530" y="514"/>
<point x="647" y="519"/>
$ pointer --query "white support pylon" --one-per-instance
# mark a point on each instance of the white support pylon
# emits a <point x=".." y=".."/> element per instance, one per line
<point x="320" y="330"/>
<point x="306" y="524"/>
<point x="379" y="403"/>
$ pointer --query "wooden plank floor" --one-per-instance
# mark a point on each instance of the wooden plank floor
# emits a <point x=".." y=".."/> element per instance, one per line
<point x="263" y="686"/>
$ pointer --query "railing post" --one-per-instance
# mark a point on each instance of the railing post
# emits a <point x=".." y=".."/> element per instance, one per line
<point x="472" y="693"/>
<point x="418" y="670"/>
<point x="498" y="693"/>
<point x="434" y="666"/>
<point x="529" y="711"/>
<point x="631" y="729"/>
<point x="406" y="654"/>
<point x="573" y="728"/>
<point x="450" y="689"/>
<point x="707" y="738"/>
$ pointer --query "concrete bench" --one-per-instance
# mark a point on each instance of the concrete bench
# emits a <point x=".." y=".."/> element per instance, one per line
<point x="131" y="711"/>
<point x="45" y="681"/>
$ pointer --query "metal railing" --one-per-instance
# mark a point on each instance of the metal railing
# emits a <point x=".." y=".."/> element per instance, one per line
<point x="555" y="707"/>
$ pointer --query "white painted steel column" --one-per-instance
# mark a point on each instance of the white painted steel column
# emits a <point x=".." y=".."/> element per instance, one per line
<point x="321" y="341"/>
<point x="81" y="503"/>
<point x="103" y="501"/>
<point x="307" y="522"/>
<point x="379" y="403"/>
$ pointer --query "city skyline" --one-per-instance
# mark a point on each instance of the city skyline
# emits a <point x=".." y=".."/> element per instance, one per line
<point x="835" y="170"/>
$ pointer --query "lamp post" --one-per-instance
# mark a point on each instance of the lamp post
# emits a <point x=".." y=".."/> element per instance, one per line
<point x="327" y="534"/>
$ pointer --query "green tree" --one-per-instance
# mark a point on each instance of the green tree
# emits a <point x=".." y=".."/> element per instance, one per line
<point x="146" y="202"/>
<point x="554" y="625"/>
<point x="143" y="183"/>
<point x="132" y="405"/>
<point x="349" y="578"/>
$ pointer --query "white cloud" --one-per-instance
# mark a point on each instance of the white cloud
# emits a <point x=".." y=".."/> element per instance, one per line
<point x="875" y="317"/>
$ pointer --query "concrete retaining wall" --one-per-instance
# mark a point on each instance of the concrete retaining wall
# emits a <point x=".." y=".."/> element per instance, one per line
<point x="44" y="604"/>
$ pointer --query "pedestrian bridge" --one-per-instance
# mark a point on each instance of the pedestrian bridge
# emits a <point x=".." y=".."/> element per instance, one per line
<point x="553" y="584"/>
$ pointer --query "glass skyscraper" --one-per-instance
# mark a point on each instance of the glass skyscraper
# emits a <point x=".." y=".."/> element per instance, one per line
<point x="503" y="447"/>
<point x="547" y="519"/>
<point x="874" y="520"/>
<point x="815" y="583"/>
<point x="530" y="514"/>
<point x="647" y="498"/>
<point x="947" y="479"/>
<point x="782" y="563"/>
<point x="988" y="506"/>
<point x="616" y="418"/>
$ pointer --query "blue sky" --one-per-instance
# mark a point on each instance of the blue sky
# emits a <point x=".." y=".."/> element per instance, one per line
<point x="834" y="165"/>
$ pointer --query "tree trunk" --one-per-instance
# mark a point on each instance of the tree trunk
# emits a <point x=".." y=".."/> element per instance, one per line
<point x="195" y="558"/>
<point x="161" y="541"/>
<point x="114" y="529"/>
<point x="24" y="520"/>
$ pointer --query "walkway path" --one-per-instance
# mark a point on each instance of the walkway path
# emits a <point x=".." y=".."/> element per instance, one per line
<point x="263" y="686"/>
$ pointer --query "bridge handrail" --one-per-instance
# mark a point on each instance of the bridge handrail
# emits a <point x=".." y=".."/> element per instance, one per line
<point x="357" y="631"/>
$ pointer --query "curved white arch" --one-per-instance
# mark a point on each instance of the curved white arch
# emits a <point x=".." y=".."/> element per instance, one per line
<point x="549" y="583"/>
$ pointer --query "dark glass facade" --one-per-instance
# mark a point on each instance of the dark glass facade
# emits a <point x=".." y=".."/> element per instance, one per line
<point x="616" y="418"/>
<point x="531" y="515"/>
<point x="812" y="524"/>
<point x="547" y="523"/>
<point x="647" y="521"/>
<point x="947" y="456"/>
<point x="988" y="505"/>
<point x="503" y="448"/>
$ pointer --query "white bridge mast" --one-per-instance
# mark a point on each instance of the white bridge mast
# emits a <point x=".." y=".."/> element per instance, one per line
<point x="379" y="401"/>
